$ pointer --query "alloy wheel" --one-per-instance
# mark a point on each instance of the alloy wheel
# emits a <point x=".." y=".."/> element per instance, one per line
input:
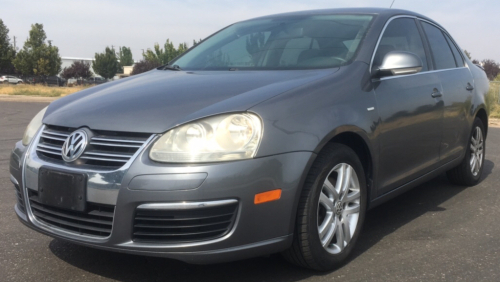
<point x="338" y="208"/>
<point x="476" y="151"/>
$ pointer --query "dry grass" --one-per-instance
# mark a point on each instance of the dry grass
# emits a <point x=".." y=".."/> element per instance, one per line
<point x="38" y="90"/>
<point x="492" y="100"/>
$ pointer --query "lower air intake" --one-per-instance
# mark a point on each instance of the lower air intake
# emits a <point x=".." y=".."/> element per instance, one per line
<point x="97" y="221"/>
<point x="180" y="226"/>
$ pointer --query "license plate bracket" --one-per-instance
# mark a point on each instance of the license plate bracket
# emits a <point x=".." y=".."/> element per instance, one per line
<point x="62" y="189"/>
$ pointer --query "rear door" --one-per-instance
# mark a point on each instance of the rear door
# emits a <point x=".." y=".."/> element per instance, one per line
<point x="457" y="83"/>
<point x="410" y="110"/>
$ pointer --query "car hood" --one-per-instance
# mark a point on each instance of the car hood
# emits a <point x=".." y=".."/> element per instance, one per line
<point x="158" y="100"/>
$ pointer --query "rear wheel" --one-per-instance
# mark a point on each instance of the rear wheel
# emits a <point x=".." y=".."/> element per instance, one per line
<point x="331" y="210"/>
<point x="469" y="172"/>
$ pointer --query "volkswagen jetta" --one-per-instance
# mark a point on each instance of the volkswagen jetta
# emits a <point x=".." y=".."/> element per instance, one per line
<point x="275" y="134"/>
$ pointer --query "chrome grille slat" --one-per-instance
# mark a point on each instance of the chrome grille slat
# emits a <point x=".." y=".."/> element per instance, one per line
<point x="58" y="133"/>
<point x="128" y="156"/>
<point x="105" y="149"/>
<point x="50" y="147"/>
<point x="48" y="152"/>
<point x="118" y="140"/>
<point x="103" y="159"/>
<point x="114" y="145"/>
<point x="53" y="137"/>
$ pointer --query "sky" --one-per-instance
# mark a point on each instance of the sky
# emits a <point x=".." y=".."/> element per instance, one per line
<point x="82" y="28"/>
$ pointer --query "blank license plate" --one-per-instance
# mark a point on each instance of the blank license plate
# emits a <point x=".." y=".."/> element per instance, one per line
<point x="62" y="189"/>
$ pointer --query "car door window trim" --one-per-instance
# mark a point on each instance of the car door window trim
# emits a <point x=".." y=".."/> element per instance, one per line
<point x="425" y="72"/>
<point x="449" y="36"/>
<point x="426" y="47"/>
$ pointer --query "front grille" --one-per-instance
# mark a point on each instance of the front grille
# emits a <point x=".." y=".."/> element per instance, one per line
<point x="20" y="201"/>
<point x="178" y="226"/>
<point x="97" y="220"/>
<point x="105" y="149"/>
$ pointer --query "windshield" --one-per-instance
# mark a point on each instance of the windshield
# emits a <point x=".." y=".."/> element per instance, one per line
<point x="321" y="41"/>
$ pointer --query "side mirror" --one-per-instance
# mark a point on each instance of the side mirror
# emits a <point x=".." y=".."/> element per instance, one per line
<point x="399" y="63"/>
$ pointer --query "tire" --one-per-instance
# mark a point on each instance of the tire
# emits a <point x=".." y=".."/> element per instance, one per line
<point x="314" y="211"/>
<point x="468" y="173"/>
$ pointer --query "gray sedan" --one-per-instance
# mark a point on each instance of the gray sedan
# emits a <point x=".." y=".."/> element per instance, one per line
<point x="275" y="134"/>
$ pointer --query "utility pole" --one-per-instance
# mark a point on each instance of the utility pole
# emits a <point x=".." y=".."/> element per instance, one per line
<point x="15" y="49"/>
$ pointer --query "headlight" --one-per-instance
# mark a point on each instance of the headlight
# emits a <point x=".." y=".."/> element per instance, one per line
<point x="214" y="139"/>
<point x="33" y="127"/>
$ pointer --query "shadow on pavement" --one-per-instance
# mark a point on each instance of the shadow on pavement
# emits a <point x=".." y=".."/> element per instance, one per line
<point x="394" y="214"/>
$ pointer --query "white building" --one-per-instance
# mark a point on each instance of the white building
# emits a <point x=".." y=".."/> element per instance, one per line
<point x="68" y="61"/>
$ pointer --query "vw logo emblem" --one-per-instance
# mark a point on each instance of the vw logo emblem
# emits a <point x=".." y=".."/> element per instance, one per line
<point x="74" y="145"/>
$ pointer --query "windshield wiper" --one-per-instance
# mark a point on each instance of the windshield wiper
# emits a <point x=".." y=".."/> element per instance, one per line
<point x="171" y="67"/>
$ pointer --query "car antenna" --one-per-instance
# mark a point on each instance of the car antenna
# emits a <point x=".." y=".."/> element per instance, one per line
<point x="392" y="4"/>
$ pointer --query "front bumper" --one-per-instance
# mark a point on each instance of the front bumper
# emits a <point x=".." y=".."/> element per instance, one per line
<point x="258" y="229"/>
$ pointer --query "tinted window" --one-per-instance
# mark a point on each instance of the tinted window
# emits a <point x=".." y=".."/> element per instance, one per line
<point x="297" y="42"/>
<point x="441" y="52"/>
<point x="458" y="58"/>
<point x="401" y="35"/>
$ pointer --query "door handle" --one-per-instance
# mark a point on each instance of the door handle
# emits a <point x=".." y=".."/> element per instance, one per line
<point x="469" y="86"/>
<point x="436" y="93"/>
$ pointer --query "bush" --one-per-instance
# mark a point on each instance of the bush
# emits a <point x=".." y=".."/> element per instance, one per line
<point x="144" y="66"/>
<point x="77" y="70"/>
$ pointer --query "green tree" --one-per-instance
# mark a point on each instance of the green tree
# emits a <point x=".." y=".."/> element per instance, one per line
<point x="165" y="54"/>
<point x="7" y="52"/>
<point x="38" y="57"/>
<point x="106" y="64"/>
<point x="467" y="53"/>
<point x="125" y="56"/>
<point x="196" y="42"/>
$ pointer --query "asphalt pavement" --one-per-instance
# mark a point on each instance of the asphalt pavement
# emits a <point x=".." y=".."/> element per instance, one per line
<point x="435" y="232"/>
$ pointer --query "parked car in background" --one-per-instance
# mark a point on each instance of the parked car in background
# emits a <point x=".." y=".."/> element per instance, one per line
<point x="95" y="80"/>
<point x="55" y="81"/>
<point x="275" y="134"/>
<point x="10" y="79"/>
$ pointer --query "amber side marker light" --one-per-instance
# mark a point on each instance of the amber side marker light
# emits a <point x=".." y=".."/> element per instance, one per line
<point x="268" y="196"/>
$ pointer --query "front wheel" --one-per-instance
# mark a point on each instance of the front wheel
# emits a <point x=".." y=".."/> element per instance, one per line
<point x="331" y="210"/>
<point x="469" y="172"/>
